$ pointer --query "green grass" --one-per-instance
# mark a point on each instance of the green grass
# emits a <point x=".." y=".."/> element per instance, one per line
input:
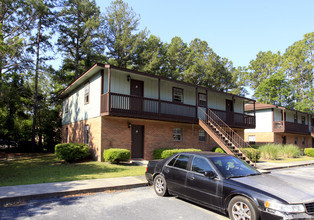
<point x="287" y="160"/>
<point x="45" y="168"/>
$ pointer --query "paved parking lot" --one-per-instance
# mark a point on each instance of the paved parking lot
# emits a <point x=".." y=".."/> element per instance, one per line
<point x="140" y="203"/>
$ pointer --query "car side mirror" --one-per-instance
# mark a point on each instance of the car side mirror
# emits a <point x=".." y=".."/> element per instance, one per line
<point x="210" y="174"/>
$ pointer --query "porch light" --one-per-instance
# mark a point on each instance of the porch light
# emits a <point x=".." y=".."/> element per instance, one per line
<point x="128" y="78"/>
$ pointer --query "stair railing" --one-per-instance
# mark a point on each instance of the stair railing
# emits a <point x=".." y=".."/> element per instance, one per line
<point x="222" y="126"/>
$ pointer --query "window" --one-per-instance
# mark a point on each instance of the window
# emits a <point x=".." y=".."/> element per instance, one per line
<point x="201" y="135"/>
<point x="202" y="99"/>
<point x="66" y="105"/>
<point x="201" y="165"/>
<point x="251" y="139"/>
<point x="86" y="134"/>
<point x="86" y="93"/>
<point x="303" y="120"/>
<point x="177" y="95"/>
<point x="66" y="135"/>
<point x="182" y="161"/>
<point x="296" y="140"/>
<point x="295" y="118"/>
<point x="303" y="140"/>
<point x="177" y="134"/>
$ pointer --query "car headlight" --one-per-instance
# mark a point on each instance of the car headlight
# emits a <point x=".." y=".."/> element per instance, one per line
<point x="297" y="208"/>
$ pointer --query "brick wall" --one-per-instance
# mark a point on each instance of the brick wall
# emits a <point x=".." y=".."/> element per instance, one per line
<point x="290" y="139"/>
<point x="260" y="137"/>
<point x="76" y="134"/>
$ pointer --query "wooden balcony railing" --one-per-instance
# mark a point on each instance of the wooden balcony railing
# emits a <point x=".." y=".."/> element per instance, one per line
<point x="290" y="127"/>
<point x="139" y="107"/>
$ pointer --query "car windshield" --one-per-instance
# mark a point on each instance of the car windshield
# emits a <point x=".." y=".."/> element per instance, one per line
<point x="232" y="167"/>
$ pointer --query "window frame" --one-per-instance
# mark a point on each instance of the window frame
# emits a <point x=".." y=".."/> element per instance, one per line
<point x="174" y="99"/>
<point x="66" y="105"/>
<point x="86" y="134"/>
<point x="202" y="103"/>
<point x="175" y="133"/>
<point x="295" y="118"/>
<point x="199" y="137"/>
<point x="86" y="94"/>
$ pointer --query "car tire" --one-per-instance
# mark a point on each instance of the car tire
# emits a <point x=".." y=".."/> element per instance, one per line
<point x="242" y="208"/>
<point x="160" y="186"/>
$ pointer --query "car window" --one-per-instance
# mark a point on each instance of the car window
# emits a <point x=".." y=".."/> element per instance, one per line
<point x="182" y="161"/>
<point x="172" y="161"/>
<point x="201" y="165"/>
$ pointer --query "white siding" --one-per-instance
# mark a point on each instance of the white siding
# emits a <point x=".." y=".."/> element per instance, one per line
<point x="189" y="93"/>
<point x="218" y="100"/>
<point x="238" y="105"/>
<point x="263" y="121"/>
<point x="277" y="114"/>
<point x="78" y="110"/>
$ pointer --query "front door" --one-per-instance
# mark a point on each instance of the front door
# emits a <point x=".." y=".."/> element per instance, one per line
<point x="229" y="111"/>
<point x="137" y="94"/>
<point x="137" y="146"/>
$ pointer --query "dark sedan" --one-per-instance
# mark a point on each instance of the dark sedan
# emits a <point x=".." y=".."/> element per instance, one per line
<point x="229" y="185"/>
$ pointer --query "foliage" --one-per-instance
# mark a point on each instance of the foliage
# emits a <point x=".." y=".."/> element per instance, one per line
<point x="71" y="152"/>
<point x="309" y="152"/>
<point x="158" y="152"/>
<point x="219" y="150"/>
<point x="270" y="151"/>
<point x="116" y="155"/>
<point x="35" y="168"/>
<point x="290" y="151"/>
<point x="168" y="153"/>
<point x="253" y="154"/>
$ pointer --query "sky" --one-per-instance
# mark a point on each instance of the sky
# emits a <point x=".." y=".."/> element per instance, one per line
<point x="235" y="29"/>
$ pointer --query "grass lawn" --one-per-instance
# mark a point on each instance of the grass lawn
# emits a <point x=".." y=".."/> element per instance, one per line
<point x="45" y="168"/>
<point x="287" y="160"/>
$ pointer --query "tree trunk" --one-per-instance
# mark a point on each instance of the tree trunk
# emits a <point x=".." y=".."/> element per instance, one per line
<point x="36" y="85"/>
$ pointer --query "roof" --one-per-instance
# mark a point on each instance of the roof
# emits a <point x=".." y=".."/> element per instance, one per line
<point x="262" y="106"/>
<point x="98" y="66"/>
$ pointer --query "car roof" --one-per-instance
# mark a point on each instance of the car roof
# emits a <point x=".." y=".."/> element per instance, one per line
<point x="206" y="153"/>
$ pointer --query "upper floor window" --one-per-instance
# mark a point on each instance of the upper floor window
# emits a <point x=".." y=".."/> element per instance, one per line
<point x="177" y="95"/>
<point x="201" y="135"/>
<point x="66" y="105"/>
<point x="303" y="120"/>
<point x="86" y="93"/>
<point x="202" y="99"/>
<point x="177" y="134"/>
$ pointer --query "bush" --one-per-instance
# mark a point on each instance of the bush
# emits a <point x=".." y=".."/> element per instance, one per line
<point x="71" y="152"/>
<point x="309" y="152"/>
<point x="157" y="152"/>
<point x="116" y="155"/>
<point x="270" y="151"/>
<point x="290" y="151"/>
<point x="251" y="152"/>
<point x="168" y="153"/>
<point x="219" y="150"/>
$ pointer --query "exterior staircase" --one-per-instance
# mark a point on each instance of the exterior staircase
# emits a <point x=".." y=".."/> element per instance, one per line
<point x="223" y="135"/>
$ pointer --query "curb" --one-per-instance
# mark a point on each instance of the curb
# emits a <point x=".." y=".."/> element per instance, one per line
<point x="289" y="166"/>
<point x="16" y="199"/>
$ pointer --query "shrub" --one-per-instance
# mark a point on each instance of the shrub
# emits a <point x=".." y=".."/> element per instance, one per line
<point x="309" y="152"/>
<point x="157" y="152"/>
<point x="251" y="152"/>
<point x="219" y="150"/>
<point x="270" y="151"/>
<point x="290" y="151"/>
<point x="71" y="152"/>
<point x="116" y="155"/>
<point x="168" y="153"/>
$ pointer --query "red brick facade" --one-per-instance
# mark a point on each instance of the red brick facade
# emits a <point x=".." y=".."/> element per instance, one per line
<point x="115" y="132"/>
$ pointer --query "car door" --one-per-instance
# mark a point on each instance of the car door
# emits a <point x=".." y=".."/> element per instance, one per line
<point x="202" y="188"/>
<point x="175" y="173"/>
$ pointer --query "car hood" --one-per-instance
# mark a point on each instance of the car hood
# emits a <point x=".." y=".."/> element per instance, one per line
<point x="291" y="189"/>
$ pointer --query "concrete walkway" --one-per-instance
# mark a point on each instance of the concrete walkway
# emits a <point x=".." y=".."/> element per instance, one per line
<point x="12" y="194"/>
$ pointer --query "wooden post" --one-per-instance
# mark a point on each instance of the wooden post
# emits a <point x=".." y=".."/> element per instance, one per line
<point x="196" y="103"/>
<point x="159" y="104"/>
<point x="109" y="89"/>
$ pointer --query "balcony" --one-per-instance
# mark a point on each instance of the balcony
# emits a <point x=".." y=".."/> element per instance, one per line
<point x="290" y="127"/>
<point x="138" y="107"/>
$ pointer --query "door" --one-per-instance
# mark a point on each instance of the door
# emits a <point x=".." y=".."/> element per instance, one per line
<point x="229" y="111"/>
<point x="202" y="188"/>
<point x="137" y="146"/>
<point x="137" y="94"/>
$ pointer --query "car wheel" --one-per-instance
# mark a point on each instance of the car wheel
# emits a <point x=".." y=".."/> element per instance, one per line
<point x="160" y="186"/>
<point x="241" y="208"/>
